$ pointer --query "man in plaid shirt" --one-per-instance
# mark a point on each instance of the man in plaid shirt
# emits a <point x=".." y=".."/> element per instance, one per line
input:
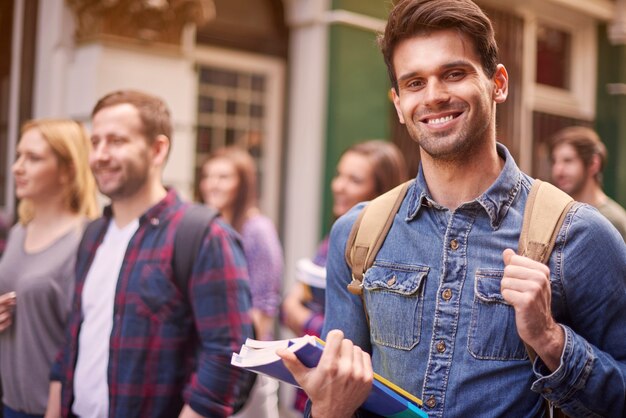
<point x="138" y="345"/>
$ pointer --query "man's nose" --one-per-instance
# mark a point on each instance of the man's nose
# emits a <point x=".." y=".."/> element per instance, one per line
<point x="99" y="151"/>
<point x="436" y="92"/>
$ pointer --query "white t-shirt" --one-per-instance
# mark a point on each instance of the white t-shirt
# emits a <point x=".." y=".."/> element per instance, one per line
<point x="91" y="388"/>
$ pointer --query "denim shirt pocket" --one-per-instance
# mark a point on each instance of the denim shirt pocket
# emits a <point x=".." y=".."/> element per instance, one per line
<point x="493" y="333"/>
<point x="394" y="302"/>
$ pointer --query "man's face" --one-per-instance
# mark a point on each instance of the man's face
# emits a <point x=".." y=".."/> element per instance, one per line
<point x="568" y="169"/>
<point x="121" y="157"/>
<point x="444" y="97"/>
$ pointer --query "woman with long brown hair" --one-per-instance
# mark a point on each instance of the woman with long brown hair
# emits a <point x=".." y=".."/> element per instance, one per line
<point x="365" y="171"/>
<point x="229" y="184"/>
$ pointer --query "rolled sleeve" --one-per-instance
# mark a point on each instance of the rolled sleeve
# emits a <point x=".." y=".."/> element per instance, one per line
<point x="590" y="380"/>
<point x="572" y="374"/>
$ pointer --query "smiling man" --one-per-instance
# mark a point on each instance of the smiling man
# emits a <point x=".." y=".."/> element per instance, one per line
<point x="451" y="324"/>
<point x="138" y="345"/>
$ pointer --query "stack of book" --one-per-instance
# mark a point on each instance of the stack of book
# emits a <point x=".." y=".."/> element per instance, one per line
<point x="385" y="399"/>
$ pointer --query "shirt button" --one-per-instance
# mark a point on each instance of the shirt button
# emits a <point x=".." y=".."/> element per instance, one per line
<point x="431" y="402"/>
<point x="441" y="346"/>
<point x="446" y="294"/>
<point x="391" y="281"/>
<point x="154" y="221"/>
<point x="454" y="244"/>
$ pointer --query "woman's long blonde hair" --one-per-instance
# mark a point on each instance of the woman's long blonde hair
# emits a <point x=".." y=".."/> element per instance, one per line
<point x="70" y="144"/>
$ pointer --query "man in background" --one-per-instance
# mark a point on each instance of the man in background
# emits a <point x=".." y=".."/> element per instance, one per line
<point x="140" y="344"/>
<point x="578" y="157"/>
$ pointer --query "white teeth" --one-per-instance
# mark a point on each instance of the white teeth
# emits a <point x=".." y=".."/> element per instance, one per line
<point x="440" y="120"/>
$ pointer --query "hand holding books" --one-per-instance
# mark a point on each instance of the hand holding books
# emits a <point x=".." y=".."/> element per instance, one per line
<point x="342" y="382"/>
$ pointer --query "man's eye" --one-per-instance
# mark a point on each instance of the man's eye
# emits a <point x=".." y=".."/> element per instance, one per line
<point x="415" y="84"/>
<point x="456" y="75"/>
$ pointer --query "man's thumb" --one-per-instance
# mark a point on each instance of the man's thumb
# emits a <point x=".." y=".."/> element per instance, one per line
<point x="507" y="255"/>
<point x="291" y="362"/>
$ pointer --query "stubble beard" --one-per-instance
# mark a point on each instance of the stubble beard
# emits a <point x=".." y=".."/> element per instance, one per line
<point x="133" y="179"/>
<point x="449" y="148"/>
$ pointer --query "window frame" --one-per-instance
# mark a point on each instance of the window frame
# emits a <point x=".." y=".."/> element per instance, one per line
<point x="274" y="70"/>
<point x="579" y="100"/>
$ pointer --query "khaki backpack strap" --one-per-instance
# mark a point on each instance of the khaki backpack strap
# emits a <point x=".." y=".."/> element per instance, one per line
<point x="369" y="232"/>
<point x="544" y="214"/>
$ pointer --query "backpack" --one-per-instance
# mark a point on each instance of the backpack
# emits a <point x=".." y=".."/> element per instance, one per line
<point x="187" y="241"/>
<point x="544" y="214"/>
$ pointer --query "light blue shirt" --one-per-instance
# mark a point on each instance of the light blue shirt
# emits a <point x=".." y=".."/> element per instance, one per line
<point x="440" y="328"/>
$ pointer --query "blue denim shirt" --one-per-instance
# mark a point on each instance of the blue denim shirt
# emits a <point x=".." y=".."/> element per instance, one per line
<point x="440" y="328"/>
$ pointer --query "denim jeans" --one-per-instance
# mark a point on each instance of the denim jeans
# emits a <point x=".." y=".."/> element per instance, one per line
<point x="11" y="413"/>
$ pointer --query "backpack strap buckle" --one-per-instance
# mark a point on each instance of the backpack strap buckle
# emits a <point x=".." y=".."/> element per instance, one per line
<point x="356" y="286"/>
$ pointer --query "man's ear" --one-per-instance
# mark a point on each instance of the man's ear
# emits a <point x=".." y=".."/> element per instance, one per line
<point x="161" y="148"/>
<point x="396" y="103"/>
<point x="501" y="84"/>
<point x="594" y="165"/>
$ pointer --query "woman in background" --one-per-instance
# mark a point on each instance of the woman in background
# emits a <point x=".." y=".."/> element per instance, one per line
<point x="365" y="171"/>
<point x="57" y="197"/>
<point x="229" y="184"/>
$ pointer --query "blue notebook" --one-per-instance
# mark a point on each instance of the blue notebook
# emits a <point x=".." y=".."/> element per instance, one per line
<point x="385" y="399"/>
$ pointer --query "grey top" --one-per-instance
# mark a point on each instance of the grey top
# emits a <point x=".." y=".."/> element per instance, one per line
<point x="43" y="282"/>
<point x="615" y="214"/>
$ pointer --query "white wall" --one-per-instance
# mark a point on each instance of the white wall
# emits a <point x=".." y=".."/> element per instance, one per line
<point x="71" y="78"/>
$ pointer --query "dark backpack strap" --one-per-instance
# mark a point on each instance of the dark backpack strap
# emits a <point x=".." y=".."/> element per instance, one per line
<point x="187" y="241"/>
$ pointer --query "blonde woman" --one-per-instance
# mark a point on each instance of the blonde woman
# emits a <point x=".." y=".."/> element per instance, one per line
<point x="57" y="197"/>
<point x="229" y="184"/>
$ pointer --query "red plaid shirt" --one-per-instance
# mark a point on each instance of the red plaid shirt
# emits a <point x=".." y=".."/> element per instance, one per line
<point x="167" y="348"/>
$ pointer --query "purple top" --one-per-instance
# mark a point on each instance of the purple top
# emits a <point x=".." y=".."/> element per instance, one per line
<point x="264" y="256"/>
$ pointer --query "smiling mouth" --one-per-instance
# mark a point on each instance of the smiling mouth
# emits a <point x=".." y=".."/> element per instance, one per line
<point x="440" y="120"/>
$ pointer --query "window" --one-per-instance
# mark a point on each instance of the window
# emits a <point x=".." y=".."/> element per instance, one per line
<point x="564" y="63"/>
<point x="231" y="109"/>
<point x="240" y="103"/>
<point x="553" y="57"/>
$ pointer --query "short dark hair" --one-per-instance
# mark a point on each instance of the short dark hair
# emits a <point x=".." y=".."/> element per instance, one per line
<point x="585" y="141"/>
<point x="153" y="112"/>
<point x="409" y="18"/>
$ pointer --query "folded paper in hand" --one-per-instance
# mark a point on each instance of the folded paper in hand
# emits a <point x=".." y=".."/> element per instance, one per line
<point x="385" y="399"/>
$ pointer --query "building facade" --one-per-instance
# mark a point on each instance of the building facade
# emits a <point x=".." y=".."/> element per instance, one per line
<point x="296" y="82"/>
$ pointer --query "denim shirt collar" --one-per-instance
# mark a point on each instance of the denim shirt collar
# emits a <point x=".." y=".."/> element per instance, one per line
<point x="496" y="200"/>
